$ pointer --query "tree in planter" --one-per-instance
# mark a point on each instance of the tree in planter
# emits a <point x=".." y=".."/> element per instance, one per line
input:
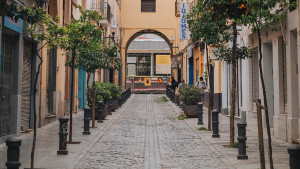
<point x="262" y="14"/>
<point x="88" y="51"/>
<point x="94" y="55"/>
<point x="44" y="31"/>
<point x="212" y="21"/>
<point x="79" y="38"/>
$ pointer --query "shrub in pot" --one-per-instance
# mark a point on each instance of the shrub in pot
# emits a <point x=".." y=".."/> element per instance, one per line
<point x="102" y="94"/>
<point x="190" y="97"/>
<point x="115" y="94"/>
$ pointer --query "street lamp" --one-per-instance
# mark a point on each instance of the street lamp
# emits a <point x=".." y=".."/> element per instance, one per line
<point x="114" y="29"/>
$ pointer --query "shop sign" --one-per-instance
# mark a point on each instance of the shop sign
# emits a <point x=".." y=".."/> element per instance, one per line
<point x="147" y="82"/>
<point x="163" y="64"/>
<point x="164" y="79"/>
<point x="183" y="22"/>
<point x="16" y="26"/>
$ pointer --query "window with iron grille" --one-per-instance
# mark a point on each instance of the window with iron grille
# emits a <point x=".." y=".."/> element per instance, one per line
<point x="148" y="6"/>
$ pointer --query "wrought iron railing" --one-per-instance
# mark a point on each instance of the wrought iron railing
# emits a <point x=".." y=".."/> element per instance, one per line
<point x="102" y="6"/>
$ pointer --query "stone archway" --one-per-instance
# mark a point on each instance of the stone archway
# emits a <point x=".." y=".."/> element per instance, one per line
<point x="131" y="34"/>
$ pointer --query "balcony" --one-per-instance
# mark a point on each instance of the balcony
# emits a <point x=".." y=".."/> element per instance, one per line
<point x="177" y="8"/>
<point x="104" y="8"/>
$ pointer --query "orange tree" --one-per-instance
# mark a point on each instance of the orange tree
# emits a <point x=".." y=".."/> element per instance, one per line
<point x="213" y="21"/>
<point x="262" y="14"/>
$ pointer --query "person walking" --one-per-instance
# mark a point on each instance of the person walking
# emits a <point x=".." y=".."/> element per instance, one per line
<point x="200" y="83"/>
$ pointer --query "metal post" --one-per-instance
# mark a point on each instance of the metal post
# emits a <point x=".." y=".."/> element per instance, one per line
<point x="13" y="153"/>
<point x="215" y="123"/>
<point x="200" y="113"/>
<point x="86" y="120"/>
<point x="294" y="152"/>
<point x="242" y="141"/>
<point x="63" y="132"/>
<point x="100" y="111"/>
<point x="260" y="135"/>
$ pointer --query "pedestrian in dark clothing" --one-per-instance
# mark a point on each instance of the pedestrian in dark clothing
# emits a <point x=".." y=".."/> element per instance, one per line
<point x="174" y="84"/>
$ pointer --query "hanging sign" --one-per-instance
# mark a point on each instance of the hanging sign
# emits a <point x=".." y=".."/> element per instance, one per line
<point x="164" y="79"/>
<point x="16" y="26"/>
<point x="147" y="82"/>
<point x="183" y="22"/>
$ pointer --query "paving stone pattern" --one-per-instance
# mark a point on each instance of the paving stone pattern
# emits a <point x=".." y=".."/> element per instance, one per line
<point x="149" y="135"/>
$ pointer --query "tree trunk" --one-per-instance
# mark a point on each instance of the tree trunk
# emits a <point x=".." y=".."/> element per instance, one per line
<point x="210" y="92"/>
<point x="34" y="108"/>
<point x="265" y="101"/>
<point x="233" y="89"/>
<point x="71" y="95"/>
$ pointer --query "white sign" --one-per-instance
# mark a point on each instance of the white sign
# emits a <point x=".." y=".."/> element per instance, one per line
<point x="183" y="22"/>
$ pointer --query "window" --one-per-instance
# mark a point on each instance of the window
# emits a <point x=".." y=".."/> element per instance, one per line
<point x="148" y="6"/>
<point x="294" y="4"/>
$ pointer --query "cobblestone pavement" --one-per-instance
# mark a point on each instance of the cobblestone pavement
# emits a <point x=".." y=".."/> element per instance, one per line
<point x="145" y="133"/>
<point x="149" y="135"/>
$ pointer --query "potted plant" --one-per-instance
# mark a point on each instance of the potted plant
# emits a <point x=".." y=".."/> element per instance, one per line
<point x="190" y="97"/>
<point x="102" y="94"/>
<point x="115" y="95"/>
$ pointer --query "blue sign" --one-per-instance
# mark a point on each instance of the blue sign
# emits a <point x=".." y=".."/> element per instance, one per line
<point x="164" y="79"/>
<point x="16" y="26"/>
<point x="183" y="22"/>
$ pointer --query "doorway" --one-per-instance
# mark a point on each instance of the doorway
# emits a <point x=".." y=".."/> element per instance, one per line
<point x="6" y="84"/>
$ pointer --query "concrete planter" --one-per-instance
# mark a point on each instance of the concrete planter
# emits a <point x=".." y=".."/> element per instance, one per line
<point x="115" y="105"/>
<point x="96" y="114"/>
<point x="105" y="111"/>
<point x="190" y="111"/>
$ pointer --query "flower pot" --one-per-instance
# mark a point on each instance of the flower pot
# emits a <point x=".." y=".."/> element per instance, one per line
<point x="190" y="111"/>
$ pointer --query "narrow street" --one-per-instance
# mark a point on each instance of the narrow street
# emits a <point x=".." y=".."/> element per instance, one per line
<point x="149" y="135"/>
<point x="144" y="133"/>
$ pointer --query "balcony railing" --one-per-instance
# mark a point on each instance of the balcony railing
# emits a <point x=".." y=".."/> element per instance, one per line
<point x="177" y="8"/>
<point x="103" y="7"/>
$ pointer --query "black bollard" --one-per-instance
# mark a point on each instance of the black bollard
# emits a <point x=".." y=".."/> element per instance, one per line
<point x="172" y="95"/>
<point x="63" y="133"/>
<point x="100" y="111"/>
<point x="13" y="152"/>
<point x="109" y="106"/>
<point x="200" y="113"/>
<point x="86" y="121"/>
<point x="177" y="102"/>
<point x="294" y="152"/>
<point x="242" y="141"/>
<point x="167" y="90"/>
<point x="215" y="123"/>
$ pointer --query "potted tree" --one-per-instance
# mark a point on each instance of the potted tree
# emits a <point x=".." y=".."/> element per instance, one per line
<point x="190" y="97"/>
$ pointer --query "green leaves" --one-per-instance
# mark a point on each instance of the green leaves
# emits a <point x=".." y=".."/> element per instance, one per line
<point x="190" y="95"/>
<point x="225" y="54"/>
